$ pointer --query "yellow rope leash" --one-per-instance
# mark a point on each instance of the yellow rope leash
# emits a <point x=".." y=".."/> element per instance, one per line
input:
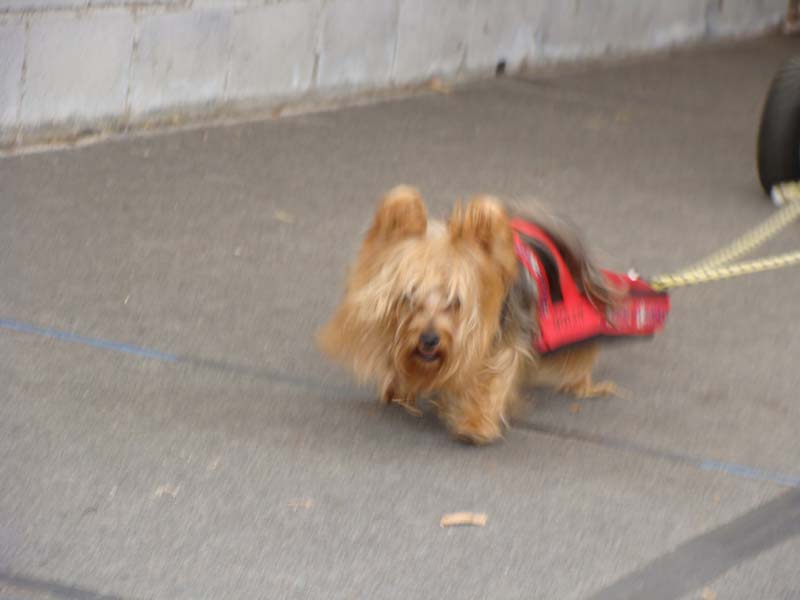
<point x="716" y="266"/>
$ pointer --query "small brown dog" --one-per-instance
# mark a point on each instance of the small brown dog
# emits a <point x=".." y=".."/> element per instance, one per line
<point x="447" y="309"/>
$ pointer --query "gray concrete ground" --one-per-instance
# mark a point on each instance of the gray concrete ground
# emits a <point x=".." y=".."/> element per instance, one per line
<point x="167" y="429"/>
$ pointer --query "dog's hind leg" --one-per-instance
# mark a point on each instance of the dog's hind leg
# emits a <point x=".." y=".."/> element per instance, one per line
<point x="586" y="388"/>
<point x="570" y="371"/>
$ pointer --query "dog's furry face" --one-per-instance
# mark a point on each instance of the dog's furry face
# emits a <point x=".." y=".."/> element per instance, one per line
<point x="446" y="304"/>
<point x="424" y="300"/>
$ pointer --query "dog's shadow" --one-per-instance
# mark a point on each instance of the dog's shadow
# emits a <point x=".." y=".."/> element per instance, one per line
<point x="547" y="400"/>
<point x="539" y="399"/>
<point x="532" y="401"/>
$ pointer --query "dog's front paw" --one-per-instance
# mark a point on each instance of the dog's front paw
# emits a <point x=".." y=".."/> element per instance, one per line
<point x="476" y="429"/>
<point x="409" y="403"/>
<point x="388" y="394"/>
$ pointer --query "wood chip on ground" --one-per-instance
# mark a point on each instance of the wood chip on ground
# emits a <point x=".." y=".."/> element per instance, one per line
<point x="463" y="518"/>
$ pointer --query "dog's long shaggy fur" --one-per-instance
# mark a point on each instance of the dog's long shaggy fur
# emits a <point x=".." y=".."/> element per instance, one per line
<point x="446" y="308"/>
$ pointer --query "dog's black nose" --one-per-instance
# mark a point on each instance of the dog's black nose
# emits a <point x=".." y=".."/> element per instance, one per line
<point x="429" y="339"/>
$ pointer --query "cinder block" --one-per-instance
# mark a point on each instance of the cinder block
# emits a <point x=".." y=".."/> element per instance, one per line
<point x="42" y="5"/>
<point x="272" y="51"/>
<point x="77" y="67"/>
<point x="181" y="59"/>
<point x="576" y="28"/>
<point x="12" y="56"/>
<point x="505" y="31"/>
<point x="432" y="38"/>
<point x="573" y="28"/>
<point x="31" y="5"/>
<point x="742" y="16"/>
<point x="672" y="23"/>
<point x="358" y="43"/>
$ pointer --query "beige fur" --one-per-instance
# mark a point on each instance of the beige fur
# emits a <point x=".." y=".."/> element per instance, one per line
<point x="416" y="280"/>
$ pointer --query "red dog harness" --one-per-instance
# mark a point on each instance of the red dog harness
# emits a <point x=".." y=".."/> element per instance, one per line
<point x="566" y="316"/>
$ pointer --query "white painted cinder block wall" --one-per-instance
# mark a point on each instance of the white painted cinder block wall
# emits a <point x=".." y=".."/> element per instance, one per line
<point x="71" y="65"/>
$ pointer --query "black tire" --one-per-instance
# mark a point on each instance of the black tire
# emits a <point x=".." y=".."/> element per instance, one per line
<point x="779" y="133"/>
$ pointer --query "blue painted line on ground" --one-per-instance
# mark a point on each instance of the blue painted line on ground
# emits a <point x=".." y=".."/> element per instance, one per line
<point x="102" y="344"/>
<point x="749" y="472"/>
<point x="705" y="464"/>
<point x="194" y="361"/>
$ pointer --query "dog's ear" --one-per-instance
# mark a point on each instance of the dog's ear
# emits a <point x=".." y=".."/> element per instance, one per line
<point x="485" y="224"/>
<point x="401" y="215"/>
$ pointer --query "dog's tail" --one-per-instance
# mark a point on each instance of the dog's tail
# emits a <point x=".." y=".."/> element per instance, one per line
<point x="591" y="281"/>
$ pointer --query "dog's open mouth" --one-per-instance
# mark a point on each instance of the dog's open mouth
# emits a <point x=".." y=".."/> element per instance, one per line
<point x="427" y="355"/>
